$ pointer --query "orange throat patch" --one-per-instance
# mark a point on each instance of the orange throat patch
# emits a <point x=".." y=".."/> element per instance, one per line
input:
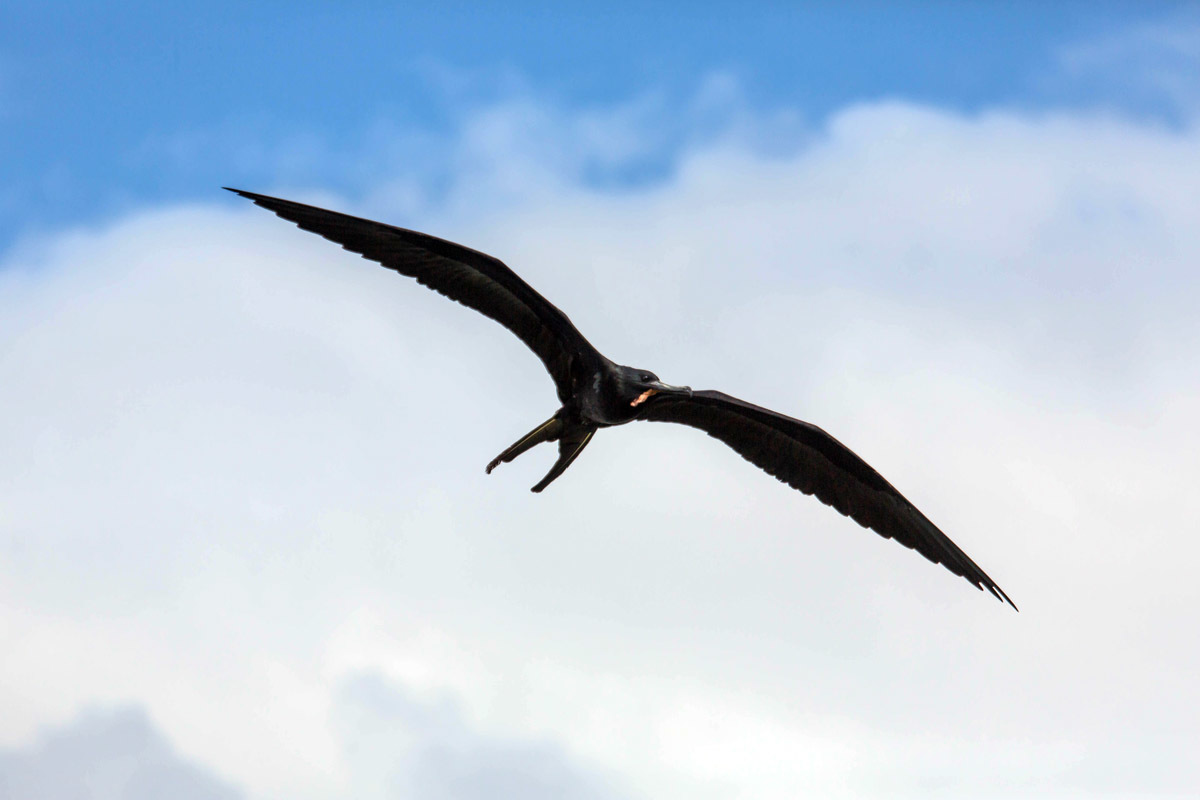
<point x="643" y="397"/>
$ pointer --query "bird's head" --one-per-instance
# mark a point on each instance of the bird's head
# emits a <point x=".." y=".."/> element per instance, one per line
<point x="640" y="386"/>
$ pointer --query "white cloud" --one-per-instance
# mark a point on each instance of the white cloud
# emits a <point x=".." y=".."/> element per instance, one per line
<point x="244" y="468"/>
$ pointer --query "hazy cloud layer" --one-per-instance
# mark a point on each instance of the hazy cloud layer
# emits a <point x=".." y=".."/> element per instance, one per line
<point x="397" y="747"/>
<point x="244" y="468"/>
<point x="114" y="755"/>
<point x="401" y="747"/>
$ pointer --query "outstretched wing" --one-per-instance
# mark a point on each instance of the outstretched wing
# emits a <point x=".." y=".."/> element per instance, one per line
<point x="809" y="459"/>
<point x="474" y="279"/>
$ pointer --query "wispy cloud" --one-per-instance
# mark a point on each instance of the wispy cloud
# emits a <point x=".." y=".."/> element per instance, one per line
<point x="1154" y="61"/>
<point x="509" y="144"/>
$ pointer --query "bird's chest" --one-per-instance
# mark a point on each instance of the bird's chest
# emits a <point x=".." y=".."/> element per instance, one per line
<point x="599" y="403"/>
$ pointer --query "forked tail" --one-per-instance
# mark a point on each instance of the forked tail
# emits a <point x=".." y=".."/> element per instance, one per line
<point x="571" y="441"/>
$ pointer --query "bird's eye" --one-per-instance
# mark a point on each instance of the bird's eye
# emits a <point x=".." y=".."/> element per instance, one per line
<point x="647" y="377"/>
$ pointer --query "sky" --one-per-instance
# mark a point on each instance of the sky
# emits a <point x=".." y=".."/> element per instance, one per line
<point x="247" y="545"/>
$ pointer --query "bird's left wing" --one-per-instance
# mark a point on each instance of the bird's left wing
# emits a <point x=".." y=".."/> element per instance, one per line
<point x="474" y="279"/>
<point x="809" y="459"/>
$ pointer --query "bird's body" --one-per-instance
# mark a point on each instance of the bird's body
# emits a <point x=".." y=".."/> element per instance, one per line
<point x="596" y="393"/>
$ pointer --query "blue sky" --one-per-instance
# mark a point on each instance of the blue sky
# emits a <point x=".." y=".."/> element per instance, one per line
<point x="248" y="548"/>
<point x="97" y="100"/>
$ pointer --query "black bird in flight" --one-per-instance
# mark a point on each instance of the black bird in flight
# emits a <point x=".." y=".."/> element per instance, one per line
<point x="597" y="393"/>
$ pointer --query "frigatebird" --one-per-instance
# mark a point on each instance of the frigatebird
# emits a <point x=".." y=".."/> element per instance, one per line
<point x="597" y="393"/>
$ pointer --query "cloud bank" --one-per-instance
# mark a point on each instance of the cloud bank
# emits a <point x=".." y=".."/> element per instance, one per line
<point x="245" y="470"/>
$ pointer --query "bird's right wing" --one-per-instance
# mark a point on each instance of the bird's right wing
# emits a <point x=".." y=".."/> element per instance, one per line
<point x="474" y="279"/>
<point x="809" y="459"/>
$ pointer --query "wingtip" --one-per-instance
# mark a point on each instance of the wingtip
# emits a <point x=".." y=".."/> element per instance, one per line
<point x="1002" y="597"/>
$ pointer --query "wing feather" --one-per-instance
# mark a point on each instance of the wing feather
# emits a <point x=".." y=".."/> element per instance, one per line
<point x="475" y="279"/>
<point x="809" y="459"/>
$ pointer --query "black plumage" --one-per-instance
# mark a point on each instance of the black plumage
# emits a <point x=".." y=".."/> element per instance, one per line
<point x="596" y="392"/>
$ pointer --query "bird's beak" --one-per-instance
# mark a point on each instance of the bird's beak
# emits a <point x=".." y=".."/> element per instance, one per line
<point x="665" y="388"/>
<point x="658" y="387"/>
